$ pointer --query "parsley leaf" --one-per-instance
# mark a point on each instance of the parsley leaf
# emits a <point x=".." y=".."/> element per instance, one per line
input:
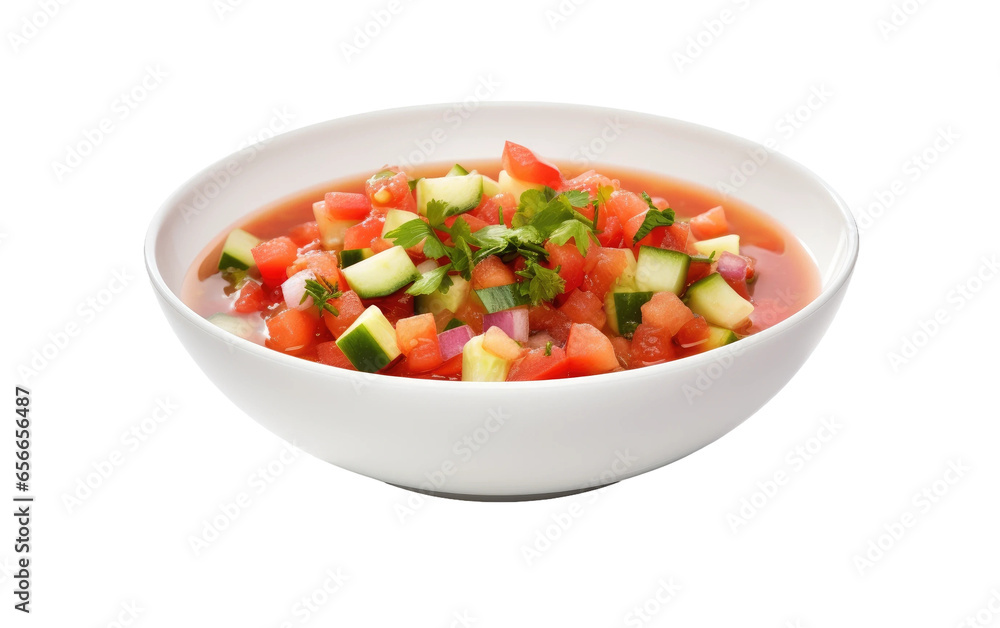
<point x="412" y="233"/>
<point x="432" y="281"/>
<point x="543" y="284"/>
<point x="704" y="259"/>
<point x="581" y="233"/>
<point x="498" y="240"/>
<point x="532" y="202"/>
<point x="548" y="348"/>
<point x="654" y="218"/>
<point x="577" y="198"/>
<point x="604" y="193"/>
<point x="321" y="291"/>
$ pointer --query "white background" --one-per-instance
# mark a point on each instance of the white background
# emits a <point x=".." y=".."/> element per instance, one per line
<point x="666" y="541"/>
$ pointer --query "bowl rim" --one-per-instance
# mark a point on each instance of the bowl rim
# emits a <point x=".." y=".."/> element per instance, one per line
<point x="835" y="281"/>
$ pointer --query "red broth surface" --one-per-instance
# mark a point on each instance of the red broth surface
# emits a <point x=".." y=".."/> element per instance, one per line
<point x="787" y="276"/>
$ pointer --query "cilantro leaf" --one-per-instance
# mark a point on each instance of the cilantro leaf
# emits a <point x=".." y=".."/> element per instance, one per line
<point x="412" y="233"/>
<point x="532" y="202"/>
<point x="498" y="240"/>
<point x="321" y="291"/>
<point x="437" y="211"/>
<point x="577" y="198"/>
<point x="432" y="281"/>
<point x="654" y="218"/>
<point x="543" y="284"/>
<point x="604" y="193"/>
<point x="581" y="233"/>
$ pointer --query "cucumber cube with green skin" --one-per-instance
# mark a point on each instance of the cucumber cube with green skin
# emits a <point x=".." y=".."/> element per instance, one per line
<point x="236" y="325"/>
<point x="729" y="243"/>
<point x="479" y="365"/>
<point x="719" y="337"/>
<point x="457" y="171"/>
<point x="350" y="257"/>
<point x="370" y="342"/>
<point x="236" y="250"/>
<point x="514" y="186"/>
<point x="624" y="310"/>
<point x="331" y="232"/>
<point x="661" y="270"/>
<point x="500" y="298"/>
<point x="718" y="303"/>
<point x="491" y="187"/>
<point x="437" y="301"/>
<point x="396" y="218"/>
<point x="381" y="274"/>
<point x="461" y="193"/>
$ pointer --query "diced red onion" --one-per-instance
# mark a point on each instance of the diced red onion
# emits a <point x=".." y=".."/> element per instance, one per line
<point x="453" y="341"/>
<point x="513" y="322"/>
<point x="294" y="289"/>
<point x="732" y="267"/>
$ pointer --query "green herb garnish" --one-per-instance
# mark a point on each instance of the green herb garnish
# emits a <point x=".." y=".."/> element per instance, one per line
<point x="654" y="218"/>
<point x="432" y="281"/>
<point x="542" y="284"/>
<point x="548" y="348"/>
<point x="321" y="292"/>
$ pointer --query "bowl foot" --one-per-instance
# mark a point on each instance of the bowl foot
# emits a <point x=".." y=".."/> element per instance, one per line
<point x="501" y="498"/>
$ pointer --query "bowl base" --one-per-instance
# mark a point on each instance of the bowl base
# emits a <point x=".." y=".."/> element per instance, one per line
<point x="502" y="498"/>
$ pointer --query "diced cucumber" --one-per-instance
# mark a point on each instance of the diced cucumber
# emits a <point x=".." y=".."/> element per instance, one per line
<point x="350" y="257"/>
<point x="370" y="342"/>
<point x="719" y="337"/>
<point x="331" y="232"/>
<point x="236" y="250"/>
<point x="500" y="298"/>
<point x="479" y="365"/>
<point x="381" y="274"/>
<point x="462" y="193"/>
<point x="715" y="299"/>
<point x="661" y="270"/>
<point x="236" y="325"/>
<point x="514" y="186"/>
<point x="626" y="281"/>
<point x="490" y="187"/>
<point x="437" y="301"/>
<point x="396" y="218"/>
<point x="624" y="310"/>
<point x="730" y="243"/>
<point x="457" y="171"/>
<point x="453" y="323"/>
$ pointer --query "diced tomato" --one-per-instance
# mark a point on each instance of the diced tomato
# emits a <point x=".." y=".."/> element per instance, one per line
<point x="631" y="227"/>
<point x="660" y="203"/>
<point x="710" y="224"/>
<point x="347" y="206"/>
<point x="497" y="342"/>
<point x="568" y="259"/>
<point x="584" y="307"/>
<point x="380" y="244"/>
<point x="608" y="267"/>
<point x="611" y="234"/>
<point x="492" y="272"/>
<point x="396" y="306"/>
<point x="588" y="182"/>
<point x="349" y="307"/>
<point x="329" y="353"/>
<point x="693" y="333"/>
<point x="521" y="163"/>
<point x="273" y="257"/>
<point x="676" y="237"/>
<point x="698" y="270"/>
<point x="623" y="350"/>
<point x="471" y="314"/>
<point x="391" y="191"/>
<point x="535" y="365"/>
<point x="450" y="368"/>
<point x="651" y="345"/>
<point x="626" y="206"/>
<point x="666" y="311"/>
<point x="304" y="234"/>
<point x="360" y="236"/>
<point x="251" y="299"/>
<point x="589" y="351"/>
<point x="544" y="317"/>
<point x="489" y="209"/>
<point x="417" y="338"/>
<point x="740" y="286"/>
<point x="291" y="331"/>
<point x="323" y="263"/>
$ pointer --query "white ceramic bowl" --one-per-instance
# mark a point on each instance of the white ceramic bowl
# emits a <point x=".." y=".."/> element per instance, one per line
<point x="511" y="440"/>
